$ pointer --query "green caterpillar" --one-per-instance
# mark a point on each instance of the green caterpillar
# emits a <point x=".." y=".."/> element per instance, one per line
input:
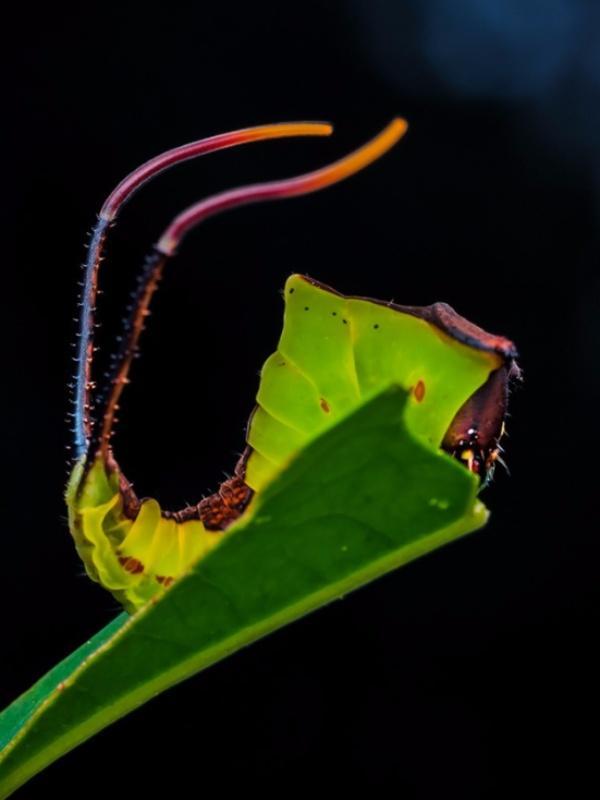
<point x="335" y="352"/>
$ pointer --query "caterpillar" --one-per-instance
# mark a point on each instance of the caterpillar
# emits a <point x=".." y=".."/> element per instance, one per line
<point x="335" y="352"/>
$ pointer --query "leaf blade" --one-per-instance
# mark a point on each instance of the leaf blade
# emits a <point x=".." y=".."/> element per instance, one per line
<point x="361" y="500"/>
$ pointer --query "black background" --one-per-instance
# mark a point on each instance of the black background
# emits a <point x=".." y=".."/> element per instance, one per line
<point x="471" y="673"/>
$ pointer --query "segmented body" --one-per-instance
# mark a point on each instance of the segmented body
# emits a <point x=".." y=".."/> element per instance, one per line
<point x="335" y="352"/>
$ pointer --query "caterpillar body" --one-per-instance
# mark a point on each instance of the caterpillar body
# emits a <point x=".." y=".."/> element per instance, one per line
<point x="335" y="353"/>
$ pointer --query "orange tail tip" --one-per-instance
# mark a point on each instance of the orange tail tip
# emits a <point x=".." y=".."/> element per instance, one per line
<point x="132" y="182"/>
<point x="277" y="190"/>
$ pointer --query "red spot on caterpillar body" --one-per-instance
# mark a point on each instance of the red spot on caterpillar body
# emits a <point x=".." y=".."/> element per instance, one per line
<point x="131" y="565"/>
<point x="419" y="391"/>
<point x="325" y="405"/>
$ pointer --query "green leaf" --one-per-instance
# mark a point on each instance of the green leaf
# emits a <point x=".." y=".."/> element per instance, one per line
<point x="360" y="500"/>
